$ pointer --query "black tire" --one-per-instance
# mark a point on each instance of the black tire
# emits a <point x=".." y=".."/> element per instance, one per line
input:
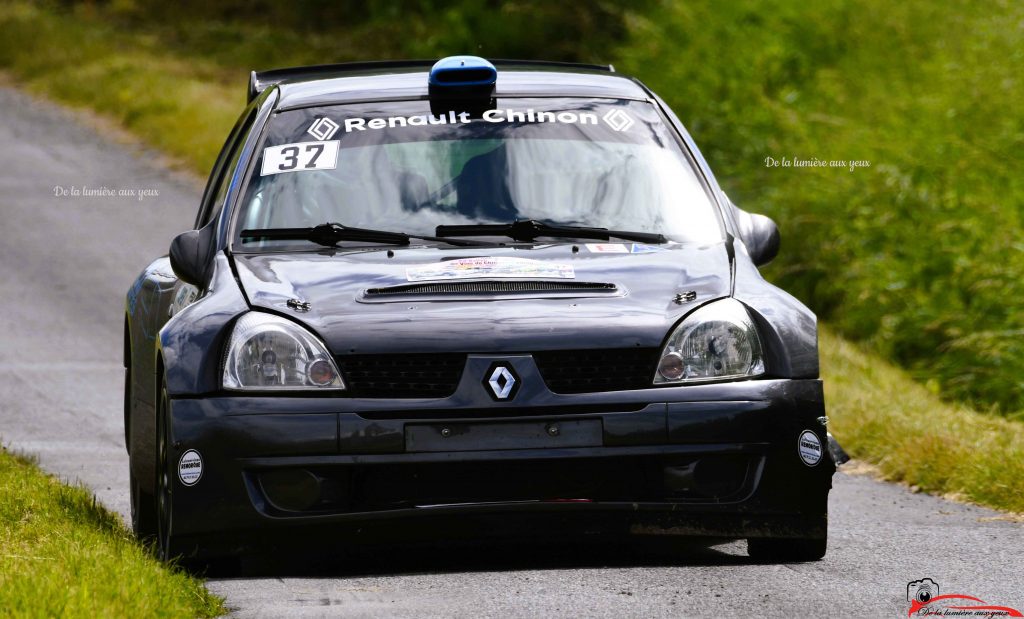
<point x="164" y="483"/>
<point x="786" y="550"/>
<point x="143" y="504"/>
<point x="143" y="511"/>
<point x="128" y="409"/>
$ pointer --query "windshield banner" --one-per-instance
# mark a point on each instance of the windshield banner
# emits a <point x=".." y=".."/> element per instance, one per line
<point x="617" y="119"/>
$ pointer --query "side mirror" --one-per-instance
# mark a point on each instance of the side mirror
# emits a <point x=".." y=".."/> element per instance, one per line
<point x="761" y="236"/>
<point x="191" y="256"/>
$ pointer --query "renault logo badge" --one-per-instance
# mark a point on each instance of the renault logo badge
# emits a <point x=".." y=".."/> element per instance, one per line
<point x="501" y="382"/>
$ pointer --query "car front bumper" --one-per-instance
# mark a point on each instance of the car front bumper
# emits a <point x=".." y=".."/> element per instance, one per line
<point x="716" y="460"/>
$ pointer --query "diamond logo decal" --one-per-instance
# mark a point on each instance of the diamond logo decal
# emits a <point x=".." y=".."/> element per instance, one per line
<point x="619" y="120"/>
<point x="501" y="382"/>
<point x="323" y="129"/>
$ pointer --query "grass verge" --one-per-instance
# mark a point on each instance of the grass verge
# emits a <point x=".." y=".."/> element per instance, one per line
<point x="63" y="555"/>
<point x="186" y="106"/>
<point x="881" y="416"/>
<point x="182" y="106"/>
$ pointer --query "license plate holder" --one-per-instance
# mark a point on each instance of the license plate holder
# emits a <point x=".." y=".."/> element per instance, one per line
<point x="462" y="436"/>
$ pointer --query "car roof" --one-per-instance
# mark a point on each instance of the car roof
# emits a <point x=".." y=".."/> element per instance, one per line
<point x="311" y="86"/>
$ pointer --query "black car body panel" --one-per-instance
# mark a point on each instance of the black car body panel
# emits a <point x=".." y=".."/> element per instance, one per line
<point x="750" y="428"/>
<point x="712" y="459"/>
<point x="639" y="312"/>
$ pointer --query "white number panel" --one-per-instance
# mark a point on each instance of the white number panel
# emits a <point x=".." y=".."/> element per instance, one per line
<point x="300" y="157"/>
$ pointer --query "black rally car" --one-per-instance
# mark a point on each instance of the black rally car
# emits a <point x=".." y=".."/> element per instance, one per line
<point x="469" y="296"/>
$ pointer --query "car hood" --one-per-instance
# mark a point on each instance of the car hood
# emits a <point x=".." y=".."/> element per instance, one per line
<point x="415" y="299"/>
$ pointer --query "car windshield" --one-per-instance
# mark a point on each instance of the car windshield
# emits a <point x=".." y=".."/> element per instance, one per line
<point x="396" y="166"/>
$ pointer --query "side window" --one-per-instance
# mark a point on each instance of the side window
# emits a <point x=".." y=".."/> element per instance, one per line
<point x="217" y="186"/>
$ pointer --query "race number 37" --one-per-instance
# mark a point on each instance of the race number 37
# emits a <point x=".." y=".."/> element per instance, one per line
<point x="299" y="157"/>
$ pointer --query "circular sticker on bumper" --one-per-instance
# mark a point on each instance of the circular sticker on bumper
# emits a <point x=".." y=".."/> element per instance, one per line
<point x="809" y="448"/>
<point x="190" y="467"/>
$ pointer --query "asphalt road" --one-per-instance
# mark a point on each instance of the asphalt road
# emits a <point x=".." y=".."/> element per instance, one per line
<point x="65" y="265"/>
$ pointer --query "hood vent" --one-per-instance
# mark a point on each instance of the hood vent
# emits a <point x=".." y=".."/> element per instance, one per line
<point x="516" y="287"/>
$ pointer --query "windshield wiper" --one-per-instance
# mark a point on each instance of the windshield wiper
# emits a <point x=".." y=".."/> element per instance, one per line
<point x="330" y="234"/>
<point x="530" y="229"/>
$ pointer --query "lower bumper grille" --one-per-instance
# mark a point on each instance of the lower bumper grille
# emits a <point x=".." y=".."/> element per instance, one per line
<point x="383" y="487"/>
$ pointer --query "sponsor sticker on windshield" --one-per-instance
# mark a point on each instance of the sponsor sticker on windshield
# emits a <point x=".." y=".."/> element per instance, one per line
<point x="487" y="267"/>
<point x="641" y="248"/>
<point x="607" y="248"/>
<point x="300" y="157"/>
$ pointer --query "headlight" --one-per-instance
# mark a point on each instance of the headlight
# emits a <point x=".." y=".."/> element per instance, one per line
<point x="267" y="352"/>
<point x="716" y="342"/>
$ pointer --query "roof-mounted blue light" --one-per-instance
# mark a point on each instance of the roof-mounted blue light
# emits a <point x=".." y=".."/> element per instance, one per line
<point x="462" y="72"/>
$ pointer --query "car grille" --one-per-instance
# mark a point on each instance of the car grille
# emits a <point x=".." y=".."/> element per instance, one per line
<point x="402" y="376"/>
<point x="437" y="375"/>
<point x="582" y="371"/>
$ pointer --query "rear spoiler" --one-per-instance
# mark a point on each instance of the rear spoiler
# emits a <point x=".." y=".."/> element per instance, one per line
<point x="261" y="80"/>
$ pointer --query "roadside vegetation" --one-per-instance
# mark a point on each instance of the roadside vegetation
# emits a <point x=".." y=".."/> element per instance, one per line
<point x="881" y="416"/>
<point x="916" y="252"/>
<point x="920" y="255"/>
<point x="63" y="555"/>
<point x="916" y="257"/>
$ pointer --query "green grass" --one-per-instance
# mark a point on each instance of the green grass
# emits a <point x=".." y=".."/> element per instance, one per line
<point x="917" y="258"/>
<point x="62" y="555"/>
<point x="182" y="106"/>
<point x="881" y="416"/>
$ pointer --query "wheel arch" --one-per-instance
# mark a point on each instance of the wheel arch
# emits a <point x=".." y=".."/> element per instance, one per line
<point x="790" y="327"/>
<point x="190" y="345"/>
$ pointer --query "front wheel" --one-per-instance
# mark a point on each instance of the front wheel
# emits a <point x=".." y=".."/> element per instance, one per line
<point x="143" y="511"/>
<point x="143" y="504"/>
<point x="164" y="493"/>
